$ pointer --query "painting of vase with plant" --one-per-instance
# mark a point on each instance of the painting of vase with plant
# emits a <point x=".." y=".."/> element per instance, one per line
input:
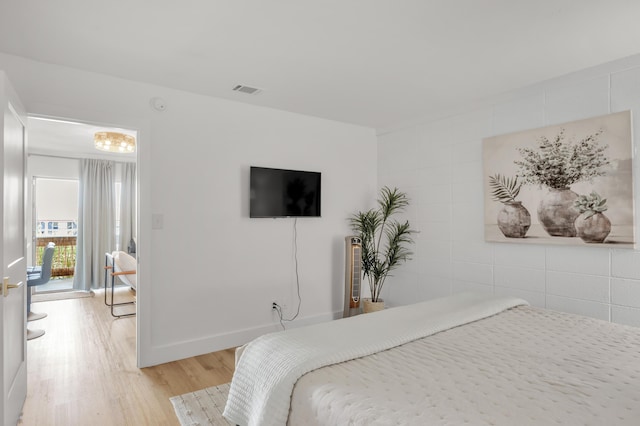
<point x="564" y="177"/>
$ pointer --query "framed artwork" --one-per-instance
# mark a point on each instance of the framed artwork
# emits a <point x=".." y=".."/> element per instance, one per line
<point x="569" y="183"/>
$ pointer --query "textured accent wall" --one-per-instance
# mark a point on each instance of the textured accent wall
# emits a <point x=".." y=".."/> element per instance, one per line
<point x="439" y="163"/>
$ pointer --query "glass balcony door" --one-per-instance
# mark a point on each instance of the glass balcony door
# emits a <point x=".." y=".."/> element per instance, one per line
<point x="55" y="213"/>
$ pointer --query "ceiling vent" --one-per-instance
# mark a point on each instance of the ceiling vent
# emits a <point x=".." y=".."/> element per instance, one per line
<point x="247" y="89"/>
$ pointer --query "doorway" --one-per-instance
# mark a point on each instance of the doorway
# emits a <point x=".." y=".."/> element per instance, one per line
<point x="56" y="151"/>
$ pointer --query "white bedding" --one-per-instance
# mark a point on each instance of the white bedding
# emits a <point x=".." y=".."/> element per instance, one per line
<point x="269" y="367"/>
<point x="525" y="366"/>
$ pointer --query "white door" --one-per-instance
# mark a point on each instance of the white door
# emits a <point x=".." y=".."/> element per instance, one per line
<point x="13" y="343"/>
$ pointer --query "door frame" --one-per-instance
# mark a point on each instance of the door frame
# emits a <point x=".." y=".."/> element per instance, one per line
<point x="143" y="208"/>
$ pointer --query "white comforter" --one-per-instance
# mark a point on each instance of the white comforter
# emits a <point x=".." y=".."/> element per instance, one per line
<point x="525" y="366"/>
<point x="269" y="367"/>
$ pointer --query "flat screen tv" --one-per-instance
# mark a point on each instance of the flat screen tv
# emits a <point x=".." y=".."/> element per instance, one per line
<point x="283" y="193"/>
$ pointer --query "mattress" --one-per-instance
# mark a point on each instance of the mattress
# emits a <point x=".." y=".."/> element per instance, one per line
<point x="270" y="366"/>
<point x="524" y="366"/>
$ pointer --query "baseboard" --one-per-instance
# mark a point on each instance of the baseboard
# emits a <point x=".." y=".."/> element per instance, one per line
<point x="189" y="348"/>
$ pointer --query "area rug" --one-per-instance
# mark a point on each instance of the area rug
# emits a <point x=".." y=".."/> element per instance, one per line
<point x="61" y="295"/>
<point x="203" y="407"/>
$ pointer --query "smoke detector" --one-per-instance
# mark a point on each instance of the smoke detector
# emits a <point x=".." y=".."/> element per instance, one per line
<point x="247" y="89"/>
<point x="158" y="104"/>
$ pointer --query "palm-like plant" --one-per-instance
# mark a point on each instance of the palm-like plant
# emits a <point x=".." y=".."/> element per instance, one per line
<point x="384" y="239"/>
<point x="504" y="189"/>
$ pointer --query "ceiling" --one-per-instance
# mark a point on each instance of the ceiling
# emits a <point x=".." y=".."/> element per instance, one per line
<point x="63" y="138"/>
<point x="376" y="63"/>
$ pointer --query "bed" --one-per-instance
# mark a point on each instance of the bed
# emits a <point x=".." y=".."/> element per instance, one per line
<point x="467" y="359"/>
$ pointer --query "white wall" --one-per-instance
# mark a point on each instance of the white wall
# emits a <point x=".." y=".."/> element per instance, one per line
<point x="207" y="278"/>
<point x="439" y="163"/>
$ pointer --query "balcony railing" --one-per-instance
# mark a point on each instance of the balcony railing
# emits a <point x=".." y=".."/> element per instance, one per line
<point x="64" y="257"/>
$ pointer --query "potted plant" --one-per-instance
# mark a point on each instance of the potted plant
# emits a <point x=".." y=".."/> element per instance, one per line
<point x="557" y="164"/>
<point x="514" y="219"/>
<point x="592" y="225"/>
<point x="385" y="241"/>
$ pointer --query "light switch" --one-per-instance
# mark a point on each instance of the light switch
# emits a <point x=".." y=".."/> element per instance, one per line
<point x="157" y="220"/>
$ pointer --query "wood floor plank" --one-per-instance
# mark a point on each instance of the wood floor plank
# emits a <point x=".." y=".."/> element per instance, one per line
<point x="83" y="370"/>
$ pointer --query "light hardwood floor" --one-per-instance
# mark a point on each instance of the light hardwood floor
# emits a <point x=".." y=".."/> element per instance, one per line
<point x="83" y="370"/>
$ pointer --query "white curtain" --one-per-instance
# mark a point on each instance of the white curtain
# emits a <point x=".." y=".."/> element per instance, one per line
<point x="96" y="222"/>
<point x="127" y="205"/>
